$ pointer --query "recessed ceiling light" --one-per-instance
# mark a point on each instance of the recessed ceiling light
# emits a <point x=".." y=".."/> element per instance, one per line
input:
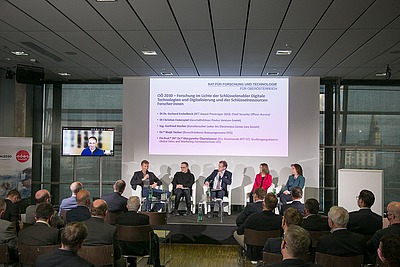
<point x="106" y="0"/>
<point x="149" y="53"/>
<point x="71" y="53"/>
<point x="380" y="74"/>
<point x="64" y="74"/>
<point x="19" y="53"/>
<point x="284" y="52"/>
<point x="273" y="73"/>
<point x="166" y="73"/>
<point x="8" y="59"/>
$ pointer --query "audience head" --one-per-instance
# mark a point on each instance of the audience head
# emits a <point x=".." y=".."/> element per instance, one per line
<point x="42" y="196"/>
<point x="291" y="216"/>
<point x="338" y="217"/>
<point x="98" y="208"/>
<point x="297" y="192"/>
<point x="2" y="207"/>
<point x="119" y="186"/>
<point x="133" y="203"/>
<point x="259" y="193"/>
<point x="388" y="250"/>
<point x="296" y="242"/>
<point x="297" y="169"/>
<point x="222" y="165"/>
<point x="270" y="201"/>
<point x="311" y="206"/>
<point x="76" y="187"/>
<point x="14" y="195"/>
<point x="83" y="198"/>
<point x="44" y="212"/>
<point x="73" y="235"/>
<point x="264" y="168"/>
<point x="366" y="199"/>
<point x="393" y="212"/>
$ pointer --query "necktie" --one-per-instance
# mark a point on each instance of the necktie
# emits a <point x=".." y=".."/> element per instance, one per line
<point x="219" y="183"/>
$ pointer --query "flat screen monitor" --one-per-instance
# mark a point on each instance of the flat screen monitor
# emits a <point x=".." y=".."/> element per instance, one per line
<point x="87" y="141"/>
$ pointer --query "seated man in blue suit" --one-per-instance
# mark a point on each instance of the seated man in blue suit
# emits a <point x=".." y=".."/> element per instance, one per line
<point x="297" y="194"/>
<point x="218" y="182"/>
<point x="257" y="206"/>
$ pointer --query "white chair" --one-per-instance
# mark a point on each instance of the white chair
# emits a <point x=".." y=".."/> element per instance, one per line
<point x="226" y="199"/>
<point x="247" y="190"/>
<point x="182" y="205"/>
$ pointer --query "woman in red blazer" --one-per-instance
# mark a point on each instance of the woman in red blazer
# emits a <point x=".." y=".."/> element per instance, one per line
<point x="263" y="179"/>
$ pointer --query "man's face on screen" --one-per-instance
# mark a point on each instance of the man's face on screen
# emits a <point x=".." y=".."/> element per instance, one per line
<point x="145" y="167"/>
<point x="221" y="167"/>
<point x="92" y="144"/>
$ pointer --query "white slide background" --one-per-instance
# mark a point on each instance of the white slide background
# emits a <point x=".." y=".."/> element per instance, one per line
<point x="303" y="140"/>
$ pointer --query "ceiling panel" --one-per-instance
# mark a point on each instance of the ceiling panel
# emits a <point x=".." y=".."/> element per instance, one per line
<point x="380" y="14"/>
<point x="229" y="14"/>
<point x="187" y="71"/>
<point x="16" y="18"/>
<point x="145" y="72"/>
<point x="229" y="71"/>
<point x="123" y="72"/>
<point x="208" y="71"/>
<point x="294" y="71"/>
<point x="201" y="47"/>
<point x="266" y="14"/>
<point x="336" y="72"/>
<point x="229" y="47"/>
<point x="360" y="72"/>
<point x="4" y="27"/>
<point x="84" y="73"/>
<point x="103" y="72"/>
<point x="191" y="15"/>
<point x="258" y="45"/>
<point x="385" y="58"/>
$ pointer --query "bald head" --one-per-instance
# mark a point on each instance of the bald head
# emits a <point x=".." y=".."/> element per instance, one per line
<point x="98" y="208"/>
<point x="42" y="196"/>
<point x="393" y="210"/>
<point x="76" y="187"/>
<point x="83" y="198"/>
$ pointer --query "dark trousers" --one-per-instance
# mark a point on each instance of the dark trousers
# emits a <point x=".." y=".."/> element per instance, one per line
<point x="284" y="198"/>
<point x="178" y="194"/>
<point x="217" y="194"/>
<point x="156" y="193"/>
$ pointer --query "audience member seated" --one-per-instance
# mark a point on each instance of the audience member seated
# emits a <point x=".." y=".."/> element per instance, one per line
<point x="148" y="180"/>
<point x="42" y="196"/>
<point x="133" y="218"/>
<point x="11" y="213"/>
<point x="72" y="237"/>
<point x="115" y="201"/>
<point x="7" y="235"/>
<point x="257" y="206"/>
<point x="101" y="233"/>
<point x="183" y="182"/>
<point x="341" y="242"/>
<point x="290" y="217"/>
<point x="393" y="212"/>
<point x="296" y="179"/>
<point x="262" y="221"/>
<point x="294" y="246"/>
<point x="41" y="233"/>
<point x="69" y="203"/>
<point x="297" y="194"/>
<point x="81" y="212"/>
<point x="388" y="250"/>
<point x="263" y="180"/>
<point x="313" y="221"/>
<point x="364" y="221"/>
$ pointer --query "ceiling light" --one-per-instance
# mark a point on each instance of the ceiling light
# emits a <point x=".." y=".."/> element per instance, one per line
<point x="33" y="60"/>
<point x="106" y="0"/>
<point x="284" y="52"/>
<point x="166" y="73"/>
<point x="380" y="74"/>
<point x="64" y="74"/>
<point x="19" y="53"/>
<point x="8" y="59"/>
<point x="273" y="73"/>
<point x="149" y="53"/>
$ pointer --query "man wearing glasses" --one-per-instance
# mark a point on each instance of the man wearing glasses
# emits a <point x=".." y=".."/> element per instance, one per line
<point x="182" y="183"/>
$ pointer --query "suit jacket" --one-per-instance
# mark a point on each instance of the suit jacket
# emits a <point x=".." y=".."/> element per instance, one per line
<point x="226" y="179"/>
<point x="62" y="258"/>
<point x="31" y="212"/>
<point x="293" y="263"/>
<point x="138" y="176"/>
<point x="39" y="234"/>
<point x="342" y="243"/>
<point x="315" y="222"/>
<point x="12" y="211"/>
<point x="373" y="244"/>
<point x="101" y="233"/>
<point x="296" y="205"/>
<point x="273" y="245"/>
<point x="7" y="236"/>
<point x="67" y="204"/>
<point x="79" y="214"/>
<point x="249" y="209"/>
<point x="115" y="202"/>
<point x="364" y="221"/>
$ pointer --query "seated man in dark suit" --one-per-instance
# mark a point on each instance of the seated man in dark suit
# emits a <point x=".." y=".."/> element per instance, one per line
<point x="41" y="233"/>
<point x="290" y="217"/>
<point x="313" y="221"/>
<point x="81" y="212"/>
<point x="393" y="212"/>
<point x="364" y="221"/>
<point x="133" y="218"/>
<point x="262" y="221"/>
<point x="257" y="206"/>
<point x="297" y="194"/>
<point x="115" y="201"/>
<point x="11" y="213"/>
<point x="341" y="242"/>
<point x="7" y="235"/>
<point x="101" y="233"/>
<point x="294" y="246"/>
<point x="72" y="237"/>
